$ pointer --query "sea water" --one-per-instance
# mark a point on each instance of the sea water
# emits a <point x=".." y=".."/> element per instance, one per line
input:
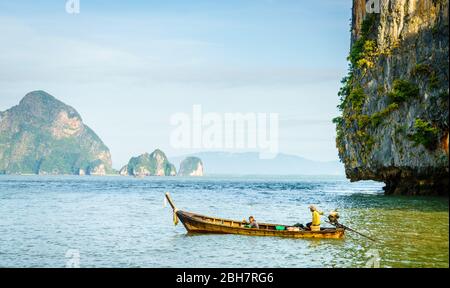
<point x="122" y="222"/>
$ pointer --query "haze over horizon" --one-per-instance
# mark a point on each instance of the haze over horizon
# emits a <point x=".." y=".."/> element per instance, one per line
<point x="127" y="67"/>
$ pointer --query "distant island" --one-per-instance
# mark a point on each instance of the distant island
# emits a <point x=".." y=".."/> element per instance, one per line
<point x="154" y="164"/>
<point x="42" y="135"/>
<point x="191" y="166"/>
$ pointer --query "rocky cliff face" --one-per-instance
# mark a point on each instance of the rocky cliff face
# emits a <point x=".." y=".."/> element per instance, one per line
<point x="42" y="135"/>
<point x="191" y="166"/>
<point x="155" y="164"/>
<point x="394" y="124"/>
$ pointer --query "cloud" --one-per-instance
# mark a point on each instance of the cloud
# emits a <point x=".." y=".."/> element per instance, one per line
<point x="157" y="73"/>
<point x="32" y="55"/>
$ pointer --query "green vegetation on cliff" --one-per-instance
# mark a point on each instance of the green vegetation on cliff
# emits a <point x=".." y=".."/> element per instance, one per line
<point x="364" y="49"/>
<point x="425" y="133"/>
<point x="403" y="91"/>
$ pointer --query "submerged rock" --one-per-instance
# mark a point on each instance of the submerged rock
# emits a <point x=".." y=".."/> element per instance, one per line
<point x="191" y="166"/>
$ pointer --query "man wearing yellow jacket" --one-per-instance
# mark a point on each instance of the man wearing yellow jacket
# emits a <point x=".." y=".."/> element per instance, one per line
<point x="315" y="224"/>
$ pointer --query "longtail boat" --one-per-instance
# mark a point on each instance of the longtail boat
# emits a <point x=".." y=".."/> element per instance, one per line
<point x="196" y="223"/>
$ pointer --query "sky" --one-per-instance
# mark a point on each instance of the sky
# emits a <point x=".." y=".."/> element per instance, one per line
<point x="128" y="66"/>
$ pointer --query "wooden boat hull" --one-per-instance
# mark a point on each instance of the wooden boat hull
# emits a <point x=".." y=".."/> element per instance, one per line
<point x="195" y="223"/>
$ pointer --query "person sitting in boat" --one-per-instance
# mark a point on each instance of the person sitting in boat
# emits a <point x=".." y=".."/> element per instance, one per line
<point x="252" y="222"/>
<point x="315" y="224"/>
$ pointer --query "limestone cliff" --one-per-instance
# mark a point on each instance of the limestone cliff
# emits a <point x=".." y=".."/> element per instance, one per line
<point x="394" y="101"/>
<point x="154" y="164"/>
<point x="191" y="166"/>
<point x="42" y="135"/>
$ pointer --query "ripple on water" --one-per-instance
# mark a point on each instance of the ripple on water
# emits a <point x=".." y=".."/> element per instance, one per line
<point x="120" y="222"/>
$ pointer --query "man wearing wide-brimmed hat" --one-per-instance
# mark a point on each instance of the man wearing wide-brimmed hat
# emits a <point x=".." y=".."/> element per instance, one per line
<point x="315" y="224"/>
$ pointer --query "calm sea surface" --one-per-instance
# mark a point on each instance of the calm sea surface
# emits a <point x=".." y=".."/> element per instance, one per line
<point x="121" y="222"/>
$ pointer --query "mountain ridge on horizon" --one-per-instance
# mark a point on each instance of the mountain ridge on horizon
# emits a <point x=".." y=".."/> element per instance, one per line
<point x="249" y="163"/>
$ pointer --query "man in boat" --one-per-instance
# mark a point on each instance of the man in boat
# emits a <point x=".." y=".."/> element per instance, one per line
<point x="252" y="222"/>
<point x="315" y="224"/>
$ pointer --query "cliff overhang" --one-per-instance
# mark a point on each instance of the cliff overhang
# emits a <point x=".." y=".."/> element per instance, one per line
<point x="394" y="101"/>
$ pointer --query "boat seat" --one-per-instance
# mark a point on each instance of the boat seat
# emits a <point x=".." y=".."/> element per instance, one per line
<point x="315" y="228"/>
